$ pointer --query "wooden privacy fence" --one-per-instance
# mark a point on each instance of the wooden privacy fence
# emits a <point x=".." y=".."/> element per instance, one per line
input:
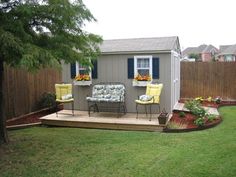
<point x="208" y="79"/>
<point x="23" y="90"/>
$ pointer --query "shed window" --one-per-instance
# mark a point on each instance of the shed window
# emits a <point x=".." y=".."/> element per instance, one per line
<point x="143" y="65"/>
<point x="80" y="69"/>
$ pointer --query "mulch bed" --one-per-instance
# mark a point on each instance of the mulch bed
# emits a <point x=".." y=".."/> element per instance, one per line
<point x="189" y="118"/>
<point x="31" y="118"/>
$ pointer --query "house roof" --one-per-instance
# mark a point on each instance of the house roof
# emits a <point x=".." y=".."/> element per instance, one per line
<point x="209" y="49"/>
<point x="139" y="45"/>
<point x="190" y="50"/>
<point x="230" y="50"/>
<point x="200" y="49"/>
<point x="223" y="47"/>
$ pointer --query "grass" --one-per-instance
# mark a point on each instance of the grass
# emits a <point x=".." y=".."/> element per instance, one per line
<point x="72" y="152"/>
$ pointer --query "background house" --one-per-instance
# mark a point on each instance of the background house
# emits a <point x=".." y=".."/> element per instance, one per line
<point x="205" y="52"/>
<point x="121" y="59"/>
<point x="227" y="53"/>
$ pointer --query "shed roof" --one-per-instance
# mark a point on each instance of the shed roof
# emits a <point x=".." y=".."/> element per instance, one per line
<point x="139" y="45"/>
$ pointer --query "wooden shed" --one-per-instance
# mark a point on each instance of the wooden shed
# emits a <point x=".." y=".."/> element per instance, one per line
<point x="122" y="59"/>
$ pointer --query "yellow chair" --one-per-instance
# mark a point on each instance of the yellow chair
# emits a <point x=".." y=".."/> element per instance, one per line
<point x="64" y="95"/>
<point x="152" y="97"/>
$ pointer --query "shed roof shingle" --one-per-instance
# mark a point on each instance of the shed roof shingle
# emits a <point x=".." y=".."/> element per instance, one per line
<point x="138" y="44"/>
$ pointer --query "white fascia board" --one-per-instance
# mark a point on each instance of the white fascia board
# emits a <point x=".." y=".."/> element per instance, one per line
<point x="136" y="52"/>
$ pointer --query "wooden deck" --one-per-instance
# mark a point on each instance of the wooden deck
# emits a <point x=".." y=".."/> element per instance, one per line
<point x="103" y="121"/>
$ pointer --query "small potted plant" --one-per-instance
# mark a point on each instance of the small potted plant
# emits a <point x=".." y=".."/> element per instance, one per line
<point x="163" y="116"/>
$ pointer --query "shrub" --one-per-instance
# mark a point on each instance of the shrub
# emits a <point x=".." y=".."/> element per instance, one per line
<point x="48" y="100"/>
<point x="199" y="121"/>
<point x="198" y="111"/>
<point x="190" y="105"/>
<point x="211" y="117"/>
<point x="194" y="107"/>
<point x="182" y="114"/>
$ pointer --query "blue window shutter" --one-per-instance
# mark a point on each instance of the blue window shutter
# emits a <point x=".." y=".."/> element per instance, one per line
<point x="72" y="70"/>
<point x="130" y="68"/>
<point x="95" y="69"/>
<point x="155" y="68"/>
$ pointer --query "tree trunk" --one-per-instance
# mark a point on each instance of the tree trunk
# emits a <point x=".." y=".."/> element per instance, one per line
<point x="3" y="130"/>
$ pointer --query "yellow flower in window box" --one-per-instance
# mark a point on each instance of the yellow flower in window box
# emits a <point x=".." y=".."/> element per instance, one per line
<point x="140" y="77"/>
<point x="82" y="77"/>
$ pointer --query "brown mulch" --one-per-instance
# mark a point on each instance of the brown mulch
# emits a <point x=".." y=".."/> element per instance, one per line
<point x="189" y="120"/>
<point x="33" y="117"/>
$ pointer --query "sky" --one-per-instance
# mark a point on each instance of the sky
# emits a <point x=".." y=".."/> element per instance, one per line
<point x="195" y="22"/>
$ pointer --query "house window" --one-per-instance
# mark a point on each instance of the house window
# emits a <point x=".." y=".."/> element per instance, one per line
<point x="228" y="58"/>
<point x="80" y="69"/>
<point x="143" y="65"/>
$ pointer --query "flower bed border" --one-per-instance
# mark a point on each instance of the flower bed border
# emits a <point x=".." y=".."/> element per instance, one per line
<point x="223" y="103"/>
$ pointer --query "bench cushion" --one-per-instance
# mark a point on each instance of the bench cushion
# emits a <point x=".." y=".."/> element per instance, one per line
<point x="107" y="93"/>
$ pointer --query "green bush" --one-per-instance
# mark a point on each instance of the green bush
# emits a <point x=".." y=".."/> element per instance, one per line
<point x="199" y="111"/>
<point x="211" y="117"/>
<point x="48" y="100"/>
<point x="182" y="114"/>
<point x="194" y="107"/>
<point x="199" y="121"/>
<point x="190" y="105"/>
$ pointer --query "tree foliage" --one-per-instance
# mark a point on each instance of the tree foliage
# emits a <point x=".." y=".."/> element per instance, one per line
<point x="194" y="55"/>
<point x="40" y="33"/>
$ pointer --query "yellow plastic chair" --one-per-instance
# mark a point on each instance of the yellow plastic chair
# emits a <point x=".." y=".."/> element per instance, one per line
<point x="64" y="95"/>
<point x="152" y="97"/>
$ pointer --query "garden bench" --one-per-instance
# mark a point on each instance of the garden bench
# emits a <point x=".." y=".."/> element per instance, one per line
<point x="107" y="97"/>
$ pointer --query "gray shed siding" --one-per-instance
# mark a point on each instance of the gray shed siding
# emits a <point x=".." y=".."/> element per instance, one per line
<point x="113" y="68"/>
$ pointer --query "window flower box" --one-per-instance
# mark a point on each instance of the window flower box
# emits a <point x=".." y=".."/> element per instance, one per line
<point x="83" y="83"/>
<point x="141" y="81"/>
<point x="83" y="80"/>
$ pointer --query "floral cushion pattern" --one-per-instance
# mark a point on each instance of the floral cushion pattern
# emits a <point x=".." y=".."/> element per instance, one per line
<point x="108" y="93"/>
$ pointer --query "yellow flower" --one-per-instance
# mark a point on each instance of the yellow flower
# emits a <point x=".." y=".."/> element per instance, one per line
<point x="199" y="99"/>
<point x="140" y="77"/>
<point x="82" y="77"/>
<point x="209" y="99"/>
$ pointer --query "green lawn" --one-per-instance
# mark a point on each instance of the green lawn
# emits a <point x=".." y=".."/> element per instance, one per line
<point x="88" y="152"/>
